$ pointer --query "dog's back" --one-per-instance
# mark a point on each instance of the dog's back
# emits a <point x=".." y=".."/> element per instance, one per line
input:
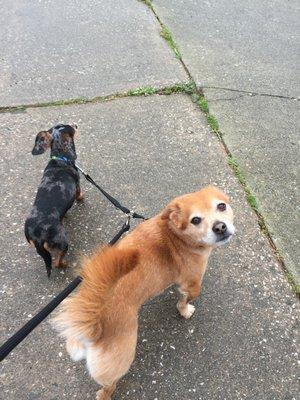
<point x="56" y="194"/>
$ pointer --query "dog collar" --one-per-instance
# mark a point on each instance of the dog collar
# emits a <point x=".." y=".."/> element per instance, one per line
<point x="62" y="158"/>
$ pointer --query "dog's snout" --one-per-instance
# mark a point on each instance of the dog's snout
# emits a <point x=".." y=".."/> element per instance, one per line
<point x="220" y="228"/>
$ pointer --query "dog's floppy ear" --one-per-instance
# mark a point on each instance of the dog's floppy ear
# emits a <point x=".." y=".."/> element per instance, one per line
<point x="43" y="142"/>
<point x="175" y="213"/>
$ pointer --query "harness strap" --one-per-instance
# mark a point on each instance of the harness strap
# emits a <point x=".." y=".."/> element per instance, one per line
<point x="62" y="158"/>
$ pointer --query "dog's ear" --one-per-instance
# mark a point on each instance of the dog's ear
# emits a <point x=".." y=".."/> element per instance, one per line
<point x="175" y="213"/>
<point x="43" y="142"/>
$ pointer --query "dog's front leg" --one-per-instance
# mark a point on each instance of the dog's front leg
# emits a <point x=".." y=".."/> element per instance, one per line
<point x="188" y="293"/>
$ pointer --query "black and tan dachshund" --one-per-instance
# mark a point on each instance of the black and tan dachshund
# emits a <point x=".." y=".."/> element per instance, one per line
<point x="56" y="194"/>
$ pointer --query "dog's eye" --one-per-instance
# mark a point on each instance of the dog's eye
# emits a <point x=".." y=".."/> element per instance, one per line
<point x="221" y="206"/>
<point x="196" y="220"/>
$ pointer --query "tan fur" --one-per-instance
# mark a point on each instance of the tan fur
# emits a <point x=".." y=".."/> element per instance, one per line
<point x="100" y="320"/>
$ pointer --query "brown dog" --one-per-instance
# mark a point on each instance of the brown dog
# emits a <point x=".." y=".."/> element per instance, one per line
<point x="100" y="321"/>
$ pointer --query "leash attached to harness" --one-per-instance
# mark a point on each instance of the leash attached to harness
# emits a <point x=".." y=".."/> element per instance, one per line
<point x="21" y="334"/>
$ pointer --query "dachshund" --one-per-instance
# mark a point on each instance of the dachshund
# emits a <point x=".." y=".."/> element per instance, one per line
<point x="59" y="188"/>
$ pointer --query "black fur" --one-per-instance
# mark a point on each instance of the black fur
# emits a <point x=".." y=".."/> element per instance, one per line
<point x="56" y="193"/>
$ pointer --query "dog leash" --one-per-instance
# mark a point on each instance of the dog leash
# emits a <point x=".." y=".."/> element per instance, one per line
<point x="114" y="201"/>
<point x="109" y="197"/>
<point x="23" y="332"/>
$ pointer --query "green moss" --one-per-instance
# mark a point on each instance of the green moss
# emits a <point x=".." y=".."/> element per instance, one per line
<point x="185" y="87"/>
<point x="251" y="200"/>
<point x="203" y="104"/>
<point x="293" y="283"/>
<point x="147" y="2"/>
<point x="143" y="91"/>
<point x="213" y="123"/>
<point x="234" y="165"/>
<point x="166" y="34"/>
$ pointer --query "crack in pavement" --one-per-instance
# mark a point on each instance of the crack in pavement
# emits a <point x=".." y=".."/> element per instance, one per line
<point x="227" y="98"/>
<point x="250" y="93"/>
<point x="179" y="87"/>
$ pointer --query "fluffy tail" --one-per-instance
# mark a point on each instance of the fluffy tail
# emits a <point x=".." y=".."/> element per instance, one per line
<point x="80" y="315"/>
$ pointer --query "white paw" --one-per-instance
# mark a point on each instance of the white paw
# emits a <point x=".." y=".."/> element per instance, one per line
<point x="186" y="311"/>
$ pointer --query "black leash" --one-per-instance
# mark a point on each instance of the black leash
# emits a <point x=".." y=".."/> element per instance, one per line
<point x="21" y="334"/>
<point x="114" y="201"/>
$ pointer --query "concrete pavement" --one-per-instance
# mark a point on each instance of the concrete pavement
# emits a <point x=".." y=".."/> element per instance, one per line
<point x="53" y="50"/>
<point x="251" y="49"/>
<point x="241" y="343"/>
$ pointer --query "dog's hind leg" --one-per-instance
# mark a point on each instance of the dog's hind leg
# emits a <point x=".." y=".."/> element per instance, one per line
<point x="46" y="257"/>
<point x="108" y="362"/>
<point x="106" y="392"/>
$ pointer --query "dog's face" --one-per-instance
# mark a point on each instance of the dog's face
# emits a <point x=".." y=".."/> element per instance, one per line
<point x="204" y="218"/>
<point x="59" y="138"/>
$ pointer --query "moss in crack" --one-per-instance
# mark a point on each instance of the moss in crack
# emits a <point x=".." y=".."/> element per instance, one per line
<point x="143" y="91"/>
<point x="293" y="283"/>
<point x="166" y="34"/>
<point x="203" y="104"/>
<point x="199" y="98"/>
<point x="250" y="197"/>
<point x="147" y="2"/>
<point x="185" y="87"/>
<point x="213" y="123"/>
<point x="234" y="165"/>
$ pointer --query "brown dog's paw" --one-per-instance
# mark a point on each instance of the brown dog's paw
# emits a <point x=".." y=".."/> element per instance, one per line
<point x="102" y="395"/>
<point x="60" y="264"/>
<point x="63" y="264"/>
<point x="186" y="311"/>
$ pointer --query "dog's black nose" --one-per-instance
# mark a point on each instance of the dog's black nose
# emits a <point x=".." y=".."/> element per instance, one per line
<point x="219" y="228"/>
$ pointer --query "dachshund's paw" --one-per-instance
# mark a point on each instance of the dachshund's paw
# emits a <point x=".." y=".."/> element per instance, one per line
<point x="80" y="197"/>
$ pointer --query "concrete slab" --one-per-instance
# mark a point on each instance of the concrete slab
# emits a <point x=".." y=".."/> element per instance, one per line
<point x="53" y="50"/>
<point x="250" y="46"/>
<point x="239" y="44"/>
<point x="242" y="341"/>
<point x="263" y="135"/>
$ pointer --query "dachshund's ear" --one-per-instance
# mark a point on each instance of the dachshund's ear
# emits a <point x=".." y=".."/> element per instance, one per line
<point x="43" y="142"/>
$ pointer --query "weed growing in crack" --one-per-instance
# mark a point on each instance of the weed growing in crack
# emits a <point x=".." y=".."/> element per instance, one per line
<point x="211" y="119"/>
<point x="143" y="91"/>
<point x="203" y="104"/>
<point x="292" y="282"/>
<point x="234" y="165"/>
<point x="213" y="123"/>
<point x="166" y="34"/>
<point x="147" y="2"/>
<point x="185" y="87"/>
